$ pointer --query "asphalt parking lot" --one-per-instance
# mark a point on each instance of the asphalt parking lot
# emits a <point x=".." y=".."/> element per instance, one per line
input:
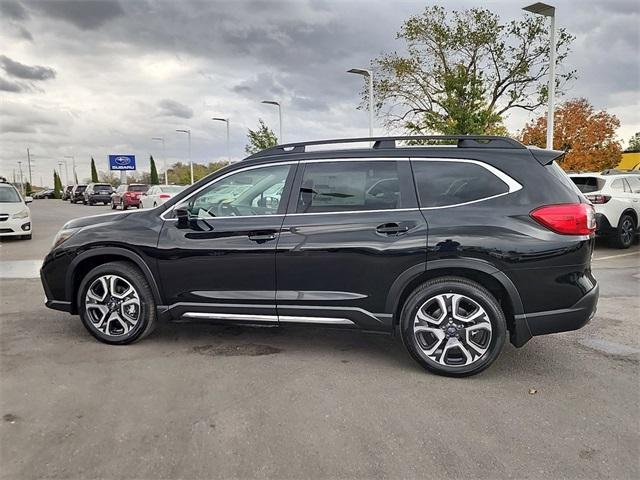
<point x="202" y="401"/>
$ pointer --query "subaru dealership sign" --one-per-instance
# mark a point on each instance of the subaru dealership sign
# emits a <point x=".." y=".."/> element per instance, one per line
<point x="122" y="162"/>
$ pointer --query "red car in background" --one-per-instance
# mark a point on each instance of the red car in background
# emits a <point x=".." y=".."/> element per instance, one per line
<point x="128" y="195"/>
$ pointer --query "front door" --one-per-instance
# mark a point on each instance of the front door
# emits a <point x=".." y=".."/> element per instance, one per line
<point x="220" y="265"/>
<point x="353" y="229"/>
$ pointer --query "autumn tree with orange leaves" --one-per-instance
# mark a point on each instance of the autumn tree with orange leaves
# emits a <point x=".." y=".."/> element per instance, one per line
<point x="588" y="136"/>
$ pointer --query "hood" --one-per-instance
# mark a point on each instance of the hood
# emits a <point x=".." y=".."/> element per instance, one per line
<point x="96" y="219"/>
<point x="12" y="207"/>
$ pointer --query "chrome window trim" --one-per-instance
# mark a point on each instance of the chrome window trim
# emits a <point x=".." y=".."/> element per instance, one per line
<point x="513" y="185"/>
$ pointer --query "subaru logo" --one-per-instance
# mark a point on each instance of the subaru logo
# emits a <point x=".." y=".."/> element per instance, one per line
<point x="123" y="160"/>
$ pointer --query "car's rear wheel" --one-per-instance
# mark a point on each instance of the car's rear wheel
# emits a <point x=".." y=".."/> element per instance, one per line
<point x="124" y="205"/>
<point x="113" y="205"/>
<point x="116" y="304"/>
<point x="625" y="233"/>
<point x="453" y="326"/>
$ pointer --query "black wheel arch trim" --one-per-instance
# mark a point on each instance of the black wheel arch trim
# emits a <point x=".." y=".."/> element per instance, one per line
<point x="519" y="335"/>
<point x="115" y="251"/>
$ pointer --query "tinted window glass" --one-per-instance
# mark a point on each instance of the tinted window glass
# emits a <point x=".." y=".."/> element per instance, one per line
<point x="252" y="192"/>
<point x="634" y="182"/>
<point x="617" y="185"/>
<point x="450" y="183"/>
<point x="588" y="184"/>
<point x="138" y="188"/>
<point x="347" y="186"/>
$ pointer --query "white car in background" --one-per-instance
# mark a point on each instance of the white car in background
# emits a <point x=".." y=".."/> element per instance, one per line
<point x="15" y="215"/>
<point x="158" y="194"/>
<point x="616" y="198"/>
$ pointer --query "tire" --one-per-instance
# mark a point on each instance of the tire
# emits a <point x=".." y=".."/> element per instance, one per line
<point x="84" y="202"/>
<point x="113" y="205"/>
<point x="123" y="331"/>
<point x="124" y="206"/>
<point x="487" y="335"/>
<point x="155" y="204"/>
<point x="625" y="232"/>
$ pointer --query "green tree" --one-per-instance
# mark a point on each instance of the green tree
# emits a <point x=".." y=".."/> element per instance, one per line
<point x="464" y="70"/>
<point x="94" y="172"/>
<point x="57" y="185"/>
<point x="634" y="143"/>
<point x="154" y="172"/>
<point x="260" y="138"/>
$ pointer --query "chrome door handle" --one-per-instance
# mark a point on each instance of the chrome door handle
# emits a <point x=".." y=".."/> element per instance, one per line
<point x="262" y="237"/>
<point x="392" y="229"/>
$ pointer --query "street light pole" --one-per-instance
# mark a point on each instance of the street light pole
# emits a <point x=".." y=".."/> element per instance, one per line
<point x="29" y="166"/>
<point x="188" y="132"/>
<point x="21" y="181"/>
<point x="369" y="75"/>
<point x="271" y="102"/>
<point x="164" y="156"/>
<point x="548" y="11"/>
<point x="73" y="168"/>
<point x="226" y="120"/>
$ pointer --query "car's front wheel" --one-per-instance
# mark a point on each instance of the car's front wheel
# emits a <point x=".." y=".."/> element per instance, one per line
<point x="625" y="233"/>
<point x="116" y="304"/>
<point x="453" y="326"/>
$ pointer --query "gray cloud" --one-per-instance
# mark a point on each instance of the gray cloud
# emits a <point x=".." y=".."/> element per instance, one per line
<point x="84" y="14"/>
<point x="174" y="109"/>
<point x="17" y="128"/>
<point x="20" y="70"/>
<point x="8" y="86"/>
<point x="13" y="10"/>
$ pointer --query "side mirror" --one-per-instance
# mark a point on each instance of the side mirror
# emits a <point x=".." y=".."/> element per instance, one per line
<point x="182" y="214"/>
<point x="28" y="199"/>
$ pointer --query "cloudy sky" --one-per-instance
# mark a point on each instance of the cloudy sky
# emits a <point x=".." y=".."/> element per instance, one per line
<point x="91" y="78"/>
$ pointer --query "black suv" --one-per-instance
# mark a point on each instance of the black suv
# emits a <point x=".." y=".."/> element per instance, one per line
<point x="97" y="193"/>
<point x="451" y="246"/>
<point x="77" y="194"/>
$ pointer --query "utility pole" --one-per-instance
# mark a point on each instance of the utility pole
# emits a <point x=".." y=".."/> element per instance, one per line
<point x="164" y="156"/>
<point x="21" y="180"/>
<point x="29" y="166"/>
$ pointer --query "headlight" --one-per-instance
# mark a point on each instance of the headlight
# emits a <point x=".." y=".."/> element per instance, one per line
<point x="64" y="235"/>
<point x="22" y="214"/>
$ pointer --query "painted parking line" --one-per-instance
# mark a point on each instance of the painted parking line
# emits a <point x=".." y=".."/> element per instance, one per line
<point x="20" y="269"/>
<point x="609" y="257"/>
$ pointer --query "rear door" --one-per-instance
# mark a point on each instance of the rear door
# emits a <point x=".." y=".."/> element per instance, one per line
<point x="352" y="228"/>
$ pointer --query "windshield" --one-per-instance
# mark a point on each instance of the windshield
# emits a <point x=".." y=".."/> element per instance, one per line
<point x="138" y="188"/>
<point x="588" y="184"/>
<point x="9" y="195"/>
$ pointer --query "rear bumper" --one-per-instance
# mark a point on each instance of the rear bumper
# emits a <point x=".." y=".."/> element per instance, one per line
<point x="99" y="198"/>
<point x="564" y="320"/>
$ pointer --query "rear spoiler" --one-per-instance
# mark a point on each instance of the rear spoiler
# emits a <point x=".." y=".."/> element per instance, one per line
<point x="545" y="157"/>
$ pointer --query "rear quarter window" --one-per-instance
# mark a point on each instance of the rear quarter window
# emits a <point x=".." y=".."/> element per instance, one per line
<point x="446" y="183"/>
<point x="588" y="184"/>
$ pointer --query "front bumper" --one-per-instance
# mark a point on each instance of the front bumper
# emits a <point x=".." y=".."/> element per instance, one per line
<point x="564" y="320"/>
<point x="62" y="305"/>
<point x="11" y="228"/>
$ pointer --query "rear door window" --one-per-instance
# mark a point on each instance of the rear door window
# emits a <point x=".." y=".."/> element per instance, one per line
<point x="442" y="183"/>
<point x="349" y="186"/>
<point x="634" y="183"/>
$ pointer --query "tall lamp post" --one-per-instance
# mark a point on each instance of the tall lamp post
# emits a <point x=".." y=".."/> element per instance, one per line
<point x="548" y="11"/>
<point x="369" y="75"/>
<point x="188" y="132"/>
<point x="277" y="104"/>
<point x="164" y="156"/>
<point x="73" y="168"/>
<point x="226" y="120"/>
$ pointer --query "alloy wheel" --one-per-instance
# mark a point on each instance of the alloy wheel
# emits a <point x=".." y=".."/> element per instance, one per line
<point x="626" y="233"/>
<point x="112" y="305"/>
<point x="452" y="330"/>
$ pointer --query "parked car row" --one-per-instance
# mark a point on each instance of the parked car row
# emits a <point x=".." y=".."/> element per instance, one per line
<point x="137" y="195"/>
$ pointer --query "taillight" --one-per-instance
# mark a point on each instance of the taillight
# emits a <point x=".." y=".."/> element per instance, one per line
<point x="165" y="195"/>
<point x="598" y="199"/>
<point x="567" y="219"/>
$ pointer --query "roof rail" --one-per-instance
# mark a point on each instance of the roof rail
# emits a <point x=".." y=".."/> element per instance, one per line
<point x="379" y="143"/>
